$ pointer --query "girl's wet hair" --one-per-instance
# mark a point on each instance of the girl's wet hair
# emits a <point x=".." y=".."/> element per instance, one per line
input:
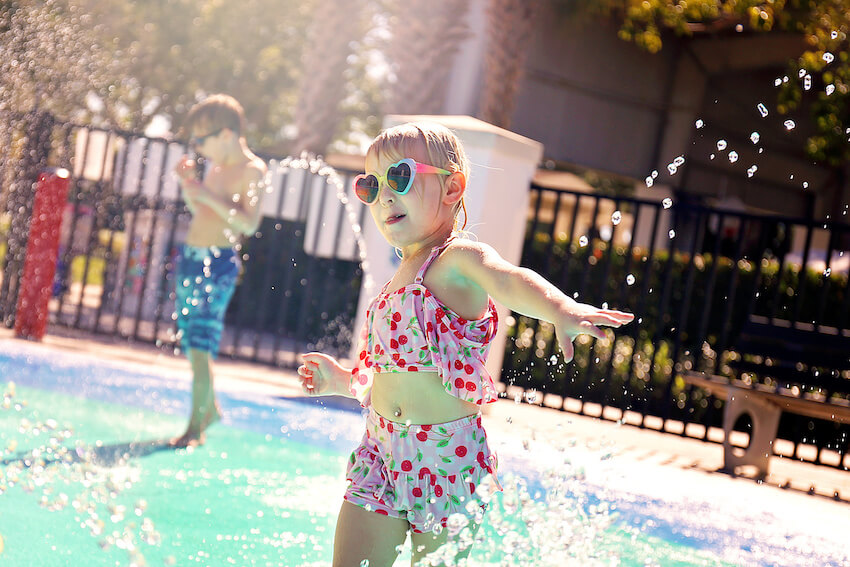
<point x="215" y="112"/>
<point x="442" y="147"/>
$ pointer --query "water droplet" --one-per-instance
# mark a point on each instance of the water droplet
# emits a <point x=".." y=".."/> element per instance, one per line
<point x="711" y="156"/>
<point x="679" y="161"/>
<point x="733" y="156"/>
<point x="616" y="217"/>
<point x="649" y="181"/>
<point x="789" y="124"/>
<point x="672" y="169"/>
<point x="755" y="137"/>
<point x="654" y="173"/>
<point x="752" y="171"/>
<point x="807" y="82"/>
<point x="721" y="145"/>
<point x="834" y="34"/>
<point x="630" y="279"/>
<point x="830" y="89"/>
<point x="827" y="272"/>
<point x="699" y="123"/>
<point x="667" y="203"/>
<point x="672" y="233"/>
<point x="582" y="241"/>
<point x="805" y="184"/>
<point x="801" y="73"/>
<point x="828" y="57"/>
<point x="762" y="109"/>
<point x="777" y="82"/>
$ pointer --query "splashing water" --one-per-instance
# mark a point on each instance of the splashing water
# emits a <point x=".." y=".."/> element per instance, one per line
<point x="755" y="137"/>
<point x="762" y="110"/>
<point x="667" y="202"/>
<point x="789" y="124"/>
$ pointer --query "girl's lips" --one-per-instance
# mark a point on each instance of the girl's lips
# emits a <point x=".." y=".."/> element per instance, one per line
<point x="394" y="219"/>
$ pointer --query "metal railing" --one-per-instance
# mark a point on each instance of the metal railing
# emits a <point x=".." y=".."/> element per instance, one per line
<point x="121" y="232"/>
<point x="692" y="275"/>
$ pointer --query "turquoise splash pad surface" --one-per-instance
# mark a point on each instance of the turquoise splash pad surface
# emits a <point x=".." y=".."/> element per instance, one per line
<point x="85" y="479"/>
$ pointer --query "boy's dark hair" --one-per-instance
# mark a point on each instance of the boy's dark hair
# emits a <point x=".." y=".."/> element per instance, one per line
<point x="215" y="112"/>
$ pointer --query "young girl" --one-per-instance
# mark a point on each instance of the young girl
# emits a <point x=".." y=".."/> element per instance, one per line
<point x="424" y="461"/>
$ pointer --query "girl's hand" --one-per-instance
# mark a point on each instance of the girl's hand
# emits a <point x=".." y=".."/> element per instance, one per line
<point x="322" y="375"/>
<point x="586" y="319"/>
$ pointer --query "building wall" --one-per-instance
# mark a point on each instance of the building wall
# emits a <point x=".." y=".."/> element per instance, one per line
<point x="597" y="101"/>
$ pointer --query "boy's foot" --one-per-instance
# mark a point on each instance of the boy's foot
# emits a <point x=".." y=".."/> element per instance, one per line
<point x="188" y="439"/>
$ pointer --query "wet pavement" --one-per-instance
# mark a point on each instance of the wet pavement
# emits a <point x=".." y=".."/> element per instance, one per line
<point x="519" y="420"/>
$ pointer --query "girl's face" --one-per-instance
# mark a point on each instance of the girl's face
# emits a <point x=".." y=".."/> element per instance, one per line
<point x="415" y="219"/>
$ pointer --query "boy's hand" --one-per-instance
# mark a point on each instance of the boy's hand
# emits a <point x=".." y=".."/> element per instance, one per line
<point x="185" y="168"/>
<point x="321" y="375"/>
<point x="586" y="319"/>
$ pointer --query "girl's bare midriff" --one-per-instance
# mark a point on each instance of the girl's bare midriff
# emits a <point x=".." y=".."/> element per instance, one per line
<point x="417" y="398"/>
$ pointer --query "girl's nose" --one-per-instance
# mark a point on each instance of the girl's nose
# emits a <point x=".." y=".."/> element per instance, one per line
<point x="386" y="196"/>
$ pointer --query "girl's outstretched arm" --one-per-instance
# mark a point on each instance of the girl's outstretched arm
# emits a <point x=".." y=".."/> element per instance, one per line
<point x="322" y="375"/>
<point x="527" y="292"/>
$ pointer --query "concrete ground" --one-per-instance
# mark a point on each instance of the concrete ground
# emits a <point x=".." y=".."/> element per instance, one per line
<point x="826" y="484"/>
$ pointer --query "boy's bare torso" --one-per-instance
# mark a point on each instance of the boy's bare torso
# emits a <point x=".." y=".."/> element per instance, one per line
<point x="228" y="182"/>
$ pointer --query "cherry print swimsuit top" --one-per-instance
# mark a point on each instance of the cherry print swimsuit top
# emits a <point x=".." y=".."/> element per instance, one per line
<point x="410" y="330"/>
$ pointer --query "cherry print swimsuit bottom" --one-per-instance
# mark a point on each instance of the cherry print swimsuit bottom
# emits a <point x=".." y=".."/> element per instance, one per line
<point x="424" y="474"/>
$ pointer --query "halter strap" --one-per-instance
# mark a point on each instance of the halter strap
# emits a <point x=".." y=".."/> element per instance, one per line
<point x="435" y="251"/>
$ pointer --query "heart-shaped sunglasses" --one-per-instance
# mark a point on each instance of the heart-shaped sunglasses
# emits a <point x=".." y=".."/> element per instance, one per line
<point x="398" y="177"/>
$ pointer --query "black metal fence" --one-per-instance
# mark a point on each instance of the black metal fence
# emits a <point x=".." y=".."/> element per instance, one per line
<point x="123" y="225"/>
<point x="692" y="274"/>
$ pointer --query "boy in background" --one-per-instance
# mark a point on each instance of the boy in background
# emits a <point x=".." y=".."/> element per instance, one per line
<point x="224" y="207"/>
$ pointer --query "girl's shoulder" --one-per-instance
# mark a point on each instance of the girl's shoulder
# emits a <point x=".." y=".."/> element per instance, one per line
<point x="461" y="250"/>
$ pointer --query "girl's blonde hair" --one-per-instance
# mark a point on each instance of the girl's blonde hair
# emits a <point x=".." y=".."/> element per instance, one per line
<point x="441" y="145"/>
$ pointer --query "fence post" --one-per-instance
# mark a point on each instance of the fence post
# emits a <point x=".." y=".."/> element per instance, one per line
<point x="20" y="201"/>
<point x="36" y="283"/>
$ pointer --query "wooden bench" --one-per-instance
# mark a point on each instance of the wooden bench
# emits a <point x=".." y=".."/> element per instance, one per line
<point x="781" y="367"/>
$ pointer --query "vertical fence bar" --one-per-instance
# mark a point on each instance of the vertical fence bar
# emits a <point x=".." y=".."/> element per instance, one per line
<point x="283" y="311"/>
<point x="801" y="279"/>
<point x="662" y="312"/>
<point x="127" y="203"/>
<point x="93" y="230"/>
<point x="67" y="254"/>
<point x="684" y="310"/>
<point x="634" y="332"/>
<point x="267" y="277"/>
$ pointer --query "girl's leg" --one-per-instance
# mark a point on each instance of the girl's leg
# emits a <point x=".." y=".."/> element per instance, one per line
<point x="429" y="543"/>
<point x="361" y="534"/>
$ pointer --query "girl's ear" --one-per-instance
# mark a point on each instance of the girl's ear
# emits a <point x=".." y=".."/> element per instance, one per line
<point x="455" y="188"/>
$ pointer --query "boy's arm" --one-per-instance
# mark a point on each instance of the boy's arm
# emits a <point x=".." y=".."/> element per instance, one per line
<point x="242" y="210"/>
<point x="185" y="170"/>
<point x="525" y="291"/>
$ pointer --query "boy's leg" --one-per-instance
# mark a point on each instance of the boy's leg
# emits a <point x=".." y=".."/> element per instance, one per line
<point x="204" y="408"/>
<point x="361" y="534"/>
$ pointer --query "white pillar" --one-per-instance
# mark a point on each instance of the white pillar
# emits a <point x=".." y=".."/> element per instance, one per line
<point x="497" y="197"/>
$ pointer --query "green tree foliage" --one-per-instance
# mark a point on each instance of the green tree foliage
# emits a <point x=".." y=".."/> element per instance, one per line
<point x="825" y="24"/>
<point x="118" y="63"/>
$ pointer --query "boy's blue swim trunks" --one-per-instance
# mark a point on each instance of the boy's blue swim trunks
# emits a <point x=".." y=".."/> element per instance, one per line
<point x="206" y="278"/>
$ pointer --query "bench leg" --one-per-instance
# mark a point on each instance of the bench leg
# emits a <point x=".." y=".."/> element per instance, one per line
<point x="765" y="417"/>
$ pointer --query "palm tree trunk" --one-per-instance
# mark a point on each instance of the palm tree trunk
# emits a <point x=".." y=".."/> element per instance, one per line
<point x="510" y="23"/>
<point x="426" y="37"/>
<point x="336" y="24"/>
